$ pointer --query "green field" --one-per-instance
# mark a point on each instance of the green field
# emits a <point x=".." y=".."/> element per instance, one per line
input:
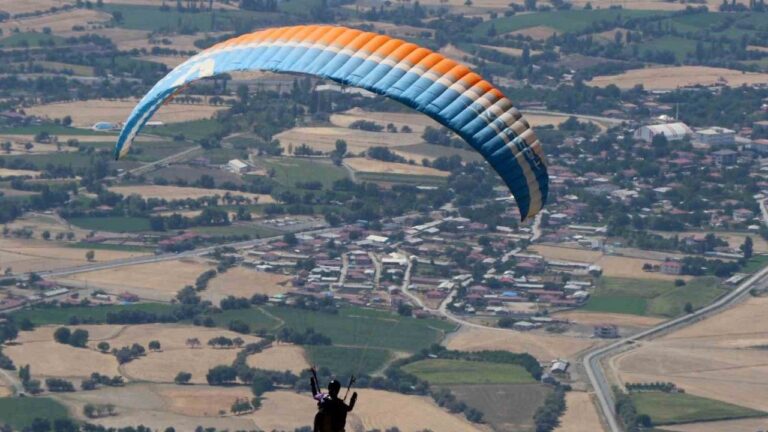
<point x="191" y="130"/>
<point x="677" y="45"/>
<point x="152" y="151"/>
<point x="345" y="361"/>
<point x="152" y="18"/>
<point x="30" y="39"/>
<point x="40" y="161"/>
<point x="755" y="264"/>
<point x="61" y="315"/>
<point x="447" y="372"/>
<point x="20" y="412"/>
<point x="401" y="178"/>
<point x="288" y="171"/>
<point x="112" y="223"/>
<point x="674" y="408"/>
<point x="110" y="246"/>
<point x="651" y="297"/>
<point x="55" y="129"/>
<point x="352" y="326"/>
<point x="563" y="21"/>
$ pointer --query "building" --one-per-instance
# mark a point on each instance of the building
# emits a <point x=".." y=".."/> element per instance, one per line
<point x="606" y="331"/>
<point x="105" y="126"/>
<point x="725" y="157"/>
<point x="671" y="267"/>
<point x="673" y="131"/>
<point x="716" y="136"/>
<point x="237" y="166"/>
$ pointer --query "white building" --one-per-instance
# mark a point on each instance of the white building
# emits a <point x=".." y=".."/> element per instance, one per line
<point x="716" y="136"/>
<point x="237" y="166"/>
<point x="673" y="131"/>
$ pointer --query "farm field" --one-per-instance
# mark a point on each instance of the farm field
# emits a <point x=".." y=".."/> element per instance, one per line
<point x="27" y="6"/>
<point x="580" y="414"/>
<point x="118" y="224"/>
<point x="86" y="113"/>
<point x="560" y="21"/>
<point x="584" y="317"/>
<point x="5" y="172"/>
<point x="666" y="78"/>
<point x="345" y="361"/>
<point x="244" y="282"/>
<point x="718" y="358"/>
<point x="20" y="412"/>
<point x="505" y="407"/>
<point x="150" y="281"/>
<point x="58" y="22"/>
<point x="418" y="152"/>
<point x="379" y="167"/>
<point x="180" y="193"/>
<point x="672" y="408"/>
<point x="414" y="120"/>
<point x="282" y="357"/>
<point x="288" y="171"/>
<point x="542" y="346"/>
<point x="98" y="314"/>
<point x="742" y="425"/>
<point x="654" y="298"/>
<point x="37" y="255"/>
<point x="447" y="372"/>
<point x="734" y="239"/>
<point x="324" y="138"/>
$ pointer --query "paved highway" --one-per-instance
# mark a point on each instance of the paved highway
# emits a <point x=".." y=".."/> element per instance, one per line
<point x="592" y="360"/>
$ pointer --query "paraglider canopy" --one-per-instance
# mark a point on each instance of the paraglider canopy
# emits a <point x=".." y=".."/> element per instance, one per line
<point x="439" y="87"/>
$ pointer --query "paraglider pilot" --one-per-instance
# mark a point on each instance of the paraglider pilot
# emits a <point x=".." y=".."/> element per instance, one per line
<point x="331" y="410"/>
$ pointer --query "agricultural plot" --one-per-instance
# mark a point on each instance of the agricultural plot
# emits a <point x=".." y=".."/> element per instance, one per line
<point x="282" y="357"/>
<point x="20" y="412"/>
<point x="419" y="152"/>
<point x="654" y="298"/>
<point x="244" y="282"/>
<point x="673" y="408"/>
<point x="346" y="361"/>
<point x="450" y="372"/>
<point x="542" y="346"/>
<point x="669" y="78"/>
<point x="718" y="358"/>
<point x="48" y="358"/>
<point x="363" y="165"/>
<point x="7" y="173"/>
<point x="742" y="425"/>
<point x="414" y="120"/>
<point x="45" y="316"/>
<point x="151" y="281"/>
<point x="504" y="407"/>
<point x="86" y="113"/>
<point x="580" y="414"/>
<point x="288" y="171"/>
<point x="181" y="193"/>
<point x="587" y="318"/>
<point x="36" y="255"/>
<point x="117" y="224"/>
<point x="58" y="22"/>
<point x="560" y="21"/>
<point x="324" y="138"/>
<point x="189" y="173"/>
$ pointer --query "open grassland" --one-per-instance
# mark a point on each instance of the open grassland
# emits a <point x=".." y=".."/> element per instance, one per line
<point x="37" y="255"/>
<point x="583" y="317"/>
<point x="718" y="358"/>
<point x="86" y="113"/>
<point x="45" y="316"/>
<point x="158" y="406"/>
<point x="20" y="412"/>
<point x="117" y="224"/>
<point x="244" y="282"/>
<point x="672" y="408"/>
<point x="282" y="357"/>
<point x="666" y="78"/>
<point x="543" y="347"/>
<point x="151" y="281"/>
<point x="580" y="414"/>
<point x="58" y="22"/>
<point x="380" y="167"/>
<point x="412" y="119"/>
<point x="180" y="193"/>
<point x="288" y="171"/>
<point x="324" y="138"/>
<point x="162" y="367"/>
<point x="655" y="298"/>
<point x="346" y="361"/>
<point x="446" y="372"/>
<point x="505" y="407"/>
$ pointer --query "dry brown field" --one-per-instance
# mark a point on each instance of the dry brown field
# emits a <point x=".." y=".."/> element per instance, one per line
<point x="51" y="359"/>
<point x="179" y="193"/>
<point x="58" y="23"/>
<point x="39" y="222"/>
<point x="734" y="239"/>
<point x="163" y="366"/>
<point x="86" y="113"/>
<point x="18" y="148"/>
<point x="542" y="346"/>
<point x="5" y="172"/>
<point x="538" y="120"/>
<point x="743" y="425"/>
<point x="457" y="54"/>
<point x="281" y="358"/>
<point x="416" y="121"/>
<point x="14" y="7"/>
<point x="38" y="255"/>
<point x="536" y="33"/>
<point x="395" y="30"/>
<point x="666" y="78"/>
<point x="324" y="138"/>
<point x="172" y="337"/>
<point x="216" y="4"/>
<point x="158" y="406"/>
<point x="597" y="318"/>
<point x="580" y="414"/>
<point x="716" y="358"/>
<point x="244" y="282"/>
<point x="170" y="61"/>
<point x="5" y="391"/>
<point x="150" y="281"/>
<point x="517" y="52"/>
<point x="377" y="166"/>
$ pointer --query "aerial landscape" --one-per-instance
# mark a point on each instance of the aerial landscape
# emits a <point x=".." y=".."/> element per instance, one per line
<point x="215" y="211"/>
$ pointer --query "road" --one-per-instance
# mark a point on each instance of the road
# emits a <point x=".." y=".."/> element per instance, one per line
<point x="13" y="381"/>
<point x="165" y="161"/>
<point x="592" y="359"/>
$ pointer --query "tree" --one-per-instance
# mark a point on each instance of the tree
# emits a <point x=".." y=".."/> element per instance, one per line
<point x="193" y="343"/>
<point x="79" y="338"/>
<point x="221" y="375"/>
<point x="154" y="345"/>
<point x="62" y="335"/>
<point x="688" y="308"/>
<point x="182" y="378"/>
<point x="90" y="255"/>
<point x="747" y="248"/>
<point x="103" y="347"/>
<point x="46" y="235"/>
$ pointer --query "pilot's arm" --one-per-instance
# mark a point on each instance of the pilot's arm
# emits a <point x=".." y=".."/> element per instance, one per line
<point x="352" y="401"/>
<point x="313" y="384"/>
